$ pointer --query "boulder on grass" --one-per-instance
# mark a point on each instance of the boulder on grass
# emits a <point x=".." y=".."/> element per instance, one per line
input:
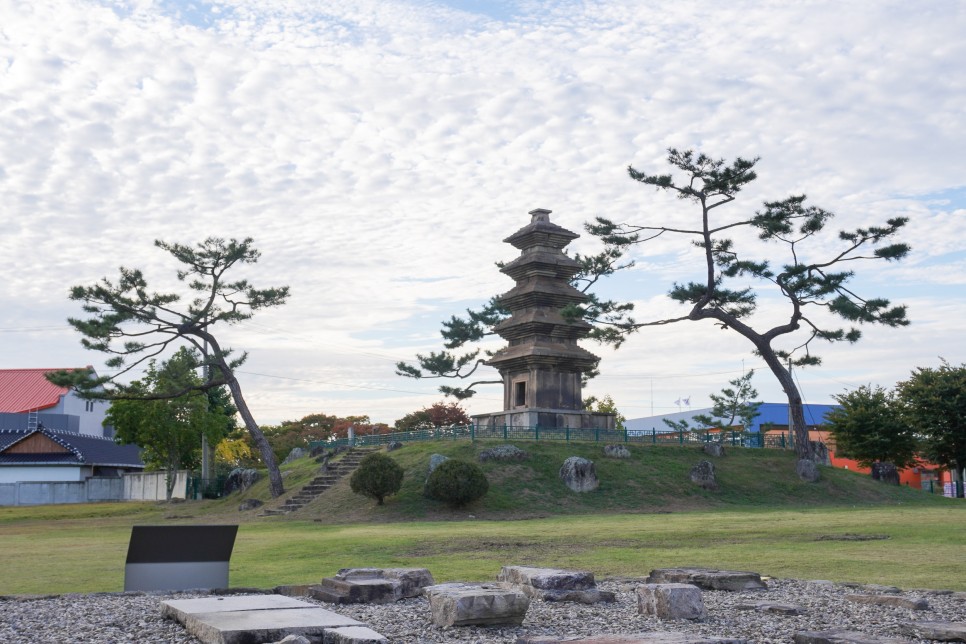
<point x="579" y="474"/>
<point x="296" y="453"/>
<point x="435" y="461"/>
<point x="703" y="475"/>
<point x="240" y="479"/>
<point x="807" y="470"/>
<point x="616" y="451"/>
<point x="714" y="449"/>
<point x="503" y="453"/>
<point x="249" y="504"/>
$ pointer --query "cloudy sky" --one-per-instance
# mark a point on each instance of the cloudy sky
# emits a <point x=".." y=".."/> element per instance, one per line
<point x="378" y="151"/>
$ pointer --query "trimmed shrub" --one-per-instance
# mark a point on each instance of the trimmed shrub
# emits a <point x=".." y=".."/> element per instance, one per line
<point x="377" y="477"/>
<point x="457" y="483"/>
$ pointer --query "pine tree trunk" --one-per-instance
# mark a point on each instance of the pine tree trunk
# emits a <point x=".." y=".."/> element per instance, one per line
<point x="268" y="456"/>
<point x="796" y="412"/>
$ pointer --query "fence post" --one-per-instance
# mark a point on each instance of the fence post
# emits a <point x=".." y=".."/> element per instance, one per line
<point x="625" y="434"/>
<point x="536" y="432"/>
<point x="567" y="429"/>
<point x="504" y="432"/>
<point x="597" y="434"/>
<point x="681" y="436"/>
<point x="653" y="436"/>
<point x="472" y="433"/>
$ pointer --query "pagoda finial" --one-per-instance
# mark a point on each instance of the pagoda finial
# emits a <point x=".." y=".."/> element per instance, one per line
<point x="540" y="214"/>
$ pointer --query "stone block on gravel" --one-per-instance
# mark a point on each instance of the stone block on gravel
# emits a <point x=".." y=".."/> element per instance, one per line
<point x="552" y="584"/>
<point x="773" y="607"/>
<point x="912" y="603"/>
<point x="873" y="588"/>
<point x="708" y="578"/>
<point x="352" y="635"/>
<point x="671" y="601"/>
<point x="372" y="585"/>
<point x="293" y="590"/>
<point x="941" y="631"/>
<point x="843" y="636"/>
<point x="459" y="604"/>
<point x="294" y="639"/>
<point x="657" y="637"/>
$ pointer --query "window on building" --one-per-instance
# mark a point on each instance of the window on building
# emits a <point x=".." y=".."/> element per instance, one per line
<point x="520" y="394"/>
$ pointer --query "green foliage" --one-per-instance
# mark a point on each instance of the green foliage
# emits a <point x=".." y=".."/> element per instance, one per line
<point x="132" y="325"/>
<point x="735" y="405"/>
<point x="316" y="427"/>
<point x="934" y="404"/>
<point x="170" y="429"/>
<point x="377" y="477"/>
<point x="457" y="483"/>
<point x="606" y="405"/>
<point x="808" y="281"/>
<point x="437" y="415"/>
<point x="868" y="427"/>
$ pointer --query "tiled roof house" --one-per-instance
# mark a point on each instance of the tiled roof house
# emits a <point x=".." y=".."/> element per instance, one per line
<point x="48" y="433"/>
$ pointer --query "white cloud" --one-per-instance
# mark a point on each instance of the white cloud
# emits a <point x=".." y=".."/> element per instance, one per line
<point x="370" y="146"/>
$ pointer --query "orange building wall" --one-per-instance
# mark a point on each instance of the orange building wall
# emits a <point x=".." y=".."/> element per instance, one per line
<point x="914" y="477"/>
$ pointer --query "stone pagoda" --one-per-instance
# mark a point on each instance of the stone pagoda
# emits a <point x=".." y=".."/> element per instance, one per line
<point x="542" y="364"/>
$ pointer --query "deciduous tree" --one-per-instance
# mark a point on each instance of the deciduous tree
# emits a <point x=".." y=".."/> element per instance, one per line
<point x="868" y="426"/>
<point x="436" y="415"/>
<point x="934" y="404"/>
<point x="169" y="429"/>
<point x="813" y="280"/>
<point x="606" y="405"/>
<point x="133" y="324"/>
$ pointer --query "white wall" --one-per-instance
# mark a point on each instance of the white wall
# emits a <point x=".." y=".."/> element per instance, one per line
<point x="44" y="473"/>
<point x="91" y="422"/>
<point x="151" y="486"/>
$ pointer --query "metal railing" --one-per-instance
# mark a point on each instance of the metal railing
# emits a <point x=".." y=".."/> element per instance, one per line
<point x="567" y="434"/>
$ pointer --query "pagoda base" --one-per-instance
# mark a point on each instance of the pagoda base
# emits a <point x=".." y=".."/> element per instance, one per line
<point x="546" y="419"/>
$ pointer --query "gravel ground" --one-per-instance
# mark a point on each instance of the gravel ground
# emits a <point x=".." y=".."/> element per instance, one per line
<point x="132" y="617"/>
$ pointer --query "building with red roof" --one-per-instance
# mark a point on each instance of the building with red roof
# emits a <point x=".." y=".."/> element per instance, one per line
<point x="28" y="401"/>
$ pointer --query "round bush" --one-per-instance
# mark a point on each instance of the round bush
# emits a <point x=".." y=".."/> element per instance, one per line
<point x="457" y="483"/>
<point x="377" y="477"/>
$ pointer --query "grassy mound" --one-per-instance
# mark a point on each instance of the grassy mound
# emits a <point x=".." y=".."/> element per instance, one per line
<point x="655" y="479"/>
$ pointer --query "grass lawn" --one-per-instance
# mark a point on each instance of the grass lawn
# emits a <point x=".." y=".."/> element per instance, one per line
<point x="924" y="548"/>
<point x="646" y="514"/>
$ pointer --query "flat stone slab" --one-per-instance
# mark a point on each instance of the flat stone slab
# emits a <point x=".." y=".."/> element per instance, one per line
<point x="464" y="604"/>
<point x="843" y="636"/>
<point x="894" y="601"/>
<point x="942" y="631"/>
<point x="773" y="607"/>
<point x="242" y="620"/>
<point x="708" y="578"/>
<point x="179" y="609"/>
<point x="657" y="637"/>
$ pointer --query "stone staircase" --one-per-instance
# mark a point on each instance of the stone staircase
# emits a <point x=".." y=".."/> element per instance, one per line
<point x="332" y="474"/>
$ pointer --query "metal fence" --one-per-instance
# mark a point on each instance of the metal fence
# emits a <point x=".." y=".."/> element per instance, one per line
<point x="567" y="434"/>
